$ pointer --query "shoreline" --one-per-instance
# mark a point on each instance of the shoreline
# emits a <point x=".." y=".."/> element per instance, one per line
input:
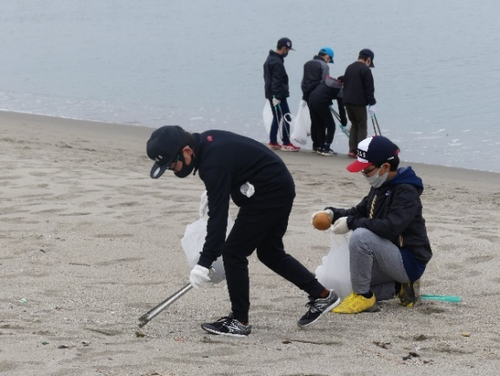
<point x="90" y="243"/>
<point x="18" y="116"/>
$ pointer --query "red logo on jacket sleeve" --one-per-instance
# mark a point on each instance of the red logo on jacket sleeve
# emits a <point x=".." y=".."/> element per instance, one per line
<point x="210" y="138"/>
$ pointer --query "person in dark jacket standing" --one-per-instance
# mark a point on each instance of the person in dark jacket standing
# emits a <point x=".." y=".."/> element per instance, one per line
<point x="277" y="91"/>
<point x="359" y="92"/>
<point x="319" y="103"/>
<point x="256" y="179"/>
<point x="315" y="71"/>
<point x="389" y="248"/>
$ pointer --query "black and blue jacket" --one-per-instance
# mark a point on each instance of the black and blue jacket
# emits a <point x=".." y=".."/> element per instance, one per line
<point x="394" y="212"/>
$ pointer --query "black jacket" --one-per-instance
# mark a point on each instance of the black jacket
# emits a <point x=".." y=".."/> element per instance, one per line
<point x="325" y="92"/>
<point x="275" y="77"/>
<point x="226" y="161"/>
<point x="397" y="214"/>
<point x="359" y="88"/>
<point x="315" y="71"/>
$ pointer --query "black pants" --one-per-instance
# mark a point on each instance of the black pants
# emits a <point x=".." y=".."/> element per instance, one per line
<point x="359" y="125"/>
<point x="322" y="118"/>
<point x="342" y="113"/>
<point x="262" y="230"/>
<point x="314" y="129"/>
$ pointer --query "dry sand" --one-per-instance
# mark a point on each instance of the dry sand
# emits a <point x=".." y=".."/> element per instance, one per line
<point x="89" y="243"/>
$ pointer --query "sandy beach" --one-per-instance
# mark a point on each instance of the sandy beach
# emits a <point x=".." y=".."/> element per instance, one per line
<point x="89" y="243"/>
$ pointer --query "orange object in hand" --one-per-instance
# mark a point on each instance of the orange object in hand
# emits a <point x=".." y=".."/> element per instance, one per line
<point x="322" y="221"/>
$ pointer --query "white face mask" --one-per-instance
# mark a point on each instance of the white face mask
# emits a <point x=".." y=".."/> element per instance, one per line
<point x="376" y="180"/>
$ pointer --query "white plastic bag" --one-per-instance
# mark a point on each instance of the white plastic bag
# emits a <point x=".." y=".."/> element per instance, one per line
<point x="302" y="124"/>
<point x="194" y="239"/>
<point x="267" y="115"/>
<point x="334" y="272"/>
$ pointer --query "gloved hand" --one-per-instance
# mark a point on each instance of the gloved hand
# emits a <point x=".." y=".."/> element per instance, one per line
<point x="327" y="211"/>
<point x="371" y="109"/>
<point x="276" y="102"/>
<point x="340" y="226"/>
<point x="203" y="211"/>
<point x="199" y="275"/>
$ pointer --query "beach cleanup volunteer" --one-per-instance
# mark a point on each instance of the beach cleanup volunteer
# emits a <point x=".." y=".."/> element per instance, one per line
<point x="388" y="248"/>
<point x="258" y="182"/>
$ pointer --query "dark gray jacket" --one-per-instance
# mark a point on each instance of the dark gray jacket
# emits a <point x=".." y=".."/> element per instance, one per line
<point x="315" y="71"/>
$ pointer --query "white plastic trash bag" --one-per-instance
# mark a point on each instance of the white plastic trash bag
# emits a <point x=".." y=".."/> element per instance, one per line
<point x="302" y="124"/>
<point x="267" y="115"/>
<point x="334" y="272"/>
<point x="194" y="238"/>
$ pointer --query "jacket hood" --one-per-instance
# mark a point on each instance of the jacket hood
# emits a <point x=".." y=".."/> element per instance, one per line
<point x="275" y="54"/>
<point x="406" y="175"/>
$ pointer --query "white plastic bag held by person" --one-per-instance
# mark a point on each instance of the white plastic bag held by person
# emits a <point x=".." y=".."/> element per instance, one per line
<point x="194" y="238"/>
<point x="267" y="116"/>
<point x="334" y="272"/>
<point x="302" y="124"/>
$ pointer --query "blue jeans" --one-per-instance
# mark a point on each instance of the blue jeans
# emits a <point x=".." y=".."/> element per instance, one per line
<point x="278" y="113"/>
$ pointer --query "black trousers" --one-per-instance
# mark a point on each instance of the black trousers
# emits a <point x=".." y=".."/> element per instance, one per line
<point x="322" y="118"/>
<point x="359" y="125"/>
<point x="261" y="230"/>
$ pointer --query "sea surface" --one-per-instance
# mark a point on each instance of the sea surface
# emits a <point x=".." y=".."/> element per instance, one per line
<point x="198" y="63"/>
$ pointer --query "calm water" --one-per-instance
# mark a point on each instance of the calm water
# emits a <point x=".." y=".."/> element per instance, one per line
<point x="198" y="63"/>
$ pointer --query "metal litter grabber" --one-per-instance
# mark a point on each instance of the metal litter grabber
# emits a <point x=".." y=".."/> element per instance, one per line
<point x="147" y="317"/>
<point x="376" y="127"/>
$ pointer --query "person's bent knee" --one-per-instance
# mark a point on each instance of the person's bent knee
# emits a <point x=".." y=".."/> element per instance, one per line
<point x="360" y="236"/>
<point x="269" y="255"/>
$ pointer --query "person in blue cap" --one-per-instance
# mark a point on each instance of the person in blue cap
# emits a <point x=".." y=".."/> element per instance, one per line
<point x="315" y="71"/>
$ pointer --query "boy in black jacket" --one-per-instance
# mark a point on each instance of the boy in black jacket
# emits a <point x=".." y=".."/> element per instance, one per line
<point x="319" y="103"/>
<point x="389" y="247"/>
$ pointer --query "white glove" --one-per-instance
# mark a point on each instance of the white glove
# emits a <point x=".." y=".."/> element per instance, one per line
<point x="199" y="275"/>
<point x="340" y="226"/>
<point x="276" y="102"/>
<point x="371" y="109"/>
<point x="327" y="211"/>
<point x="203" y="211"/>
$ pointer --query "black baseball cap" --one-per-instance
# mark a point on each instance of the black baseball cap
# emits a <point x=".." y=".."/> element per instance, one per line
<point x="164" y="145"/>
<point x="376" y="149"/>
<point x="369" y="53"/>
<point x="284" y="42"/>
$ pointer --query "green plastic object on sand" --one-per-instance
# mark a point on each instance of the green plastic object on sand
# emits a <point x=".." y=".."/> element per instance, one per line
<point x="443" y="298"/>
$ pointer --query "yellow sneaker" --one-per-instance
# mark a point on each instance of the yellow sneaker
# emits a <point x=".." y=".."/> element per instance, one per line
<point x="409" y="293"/>
<point x="355" y="303"/>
